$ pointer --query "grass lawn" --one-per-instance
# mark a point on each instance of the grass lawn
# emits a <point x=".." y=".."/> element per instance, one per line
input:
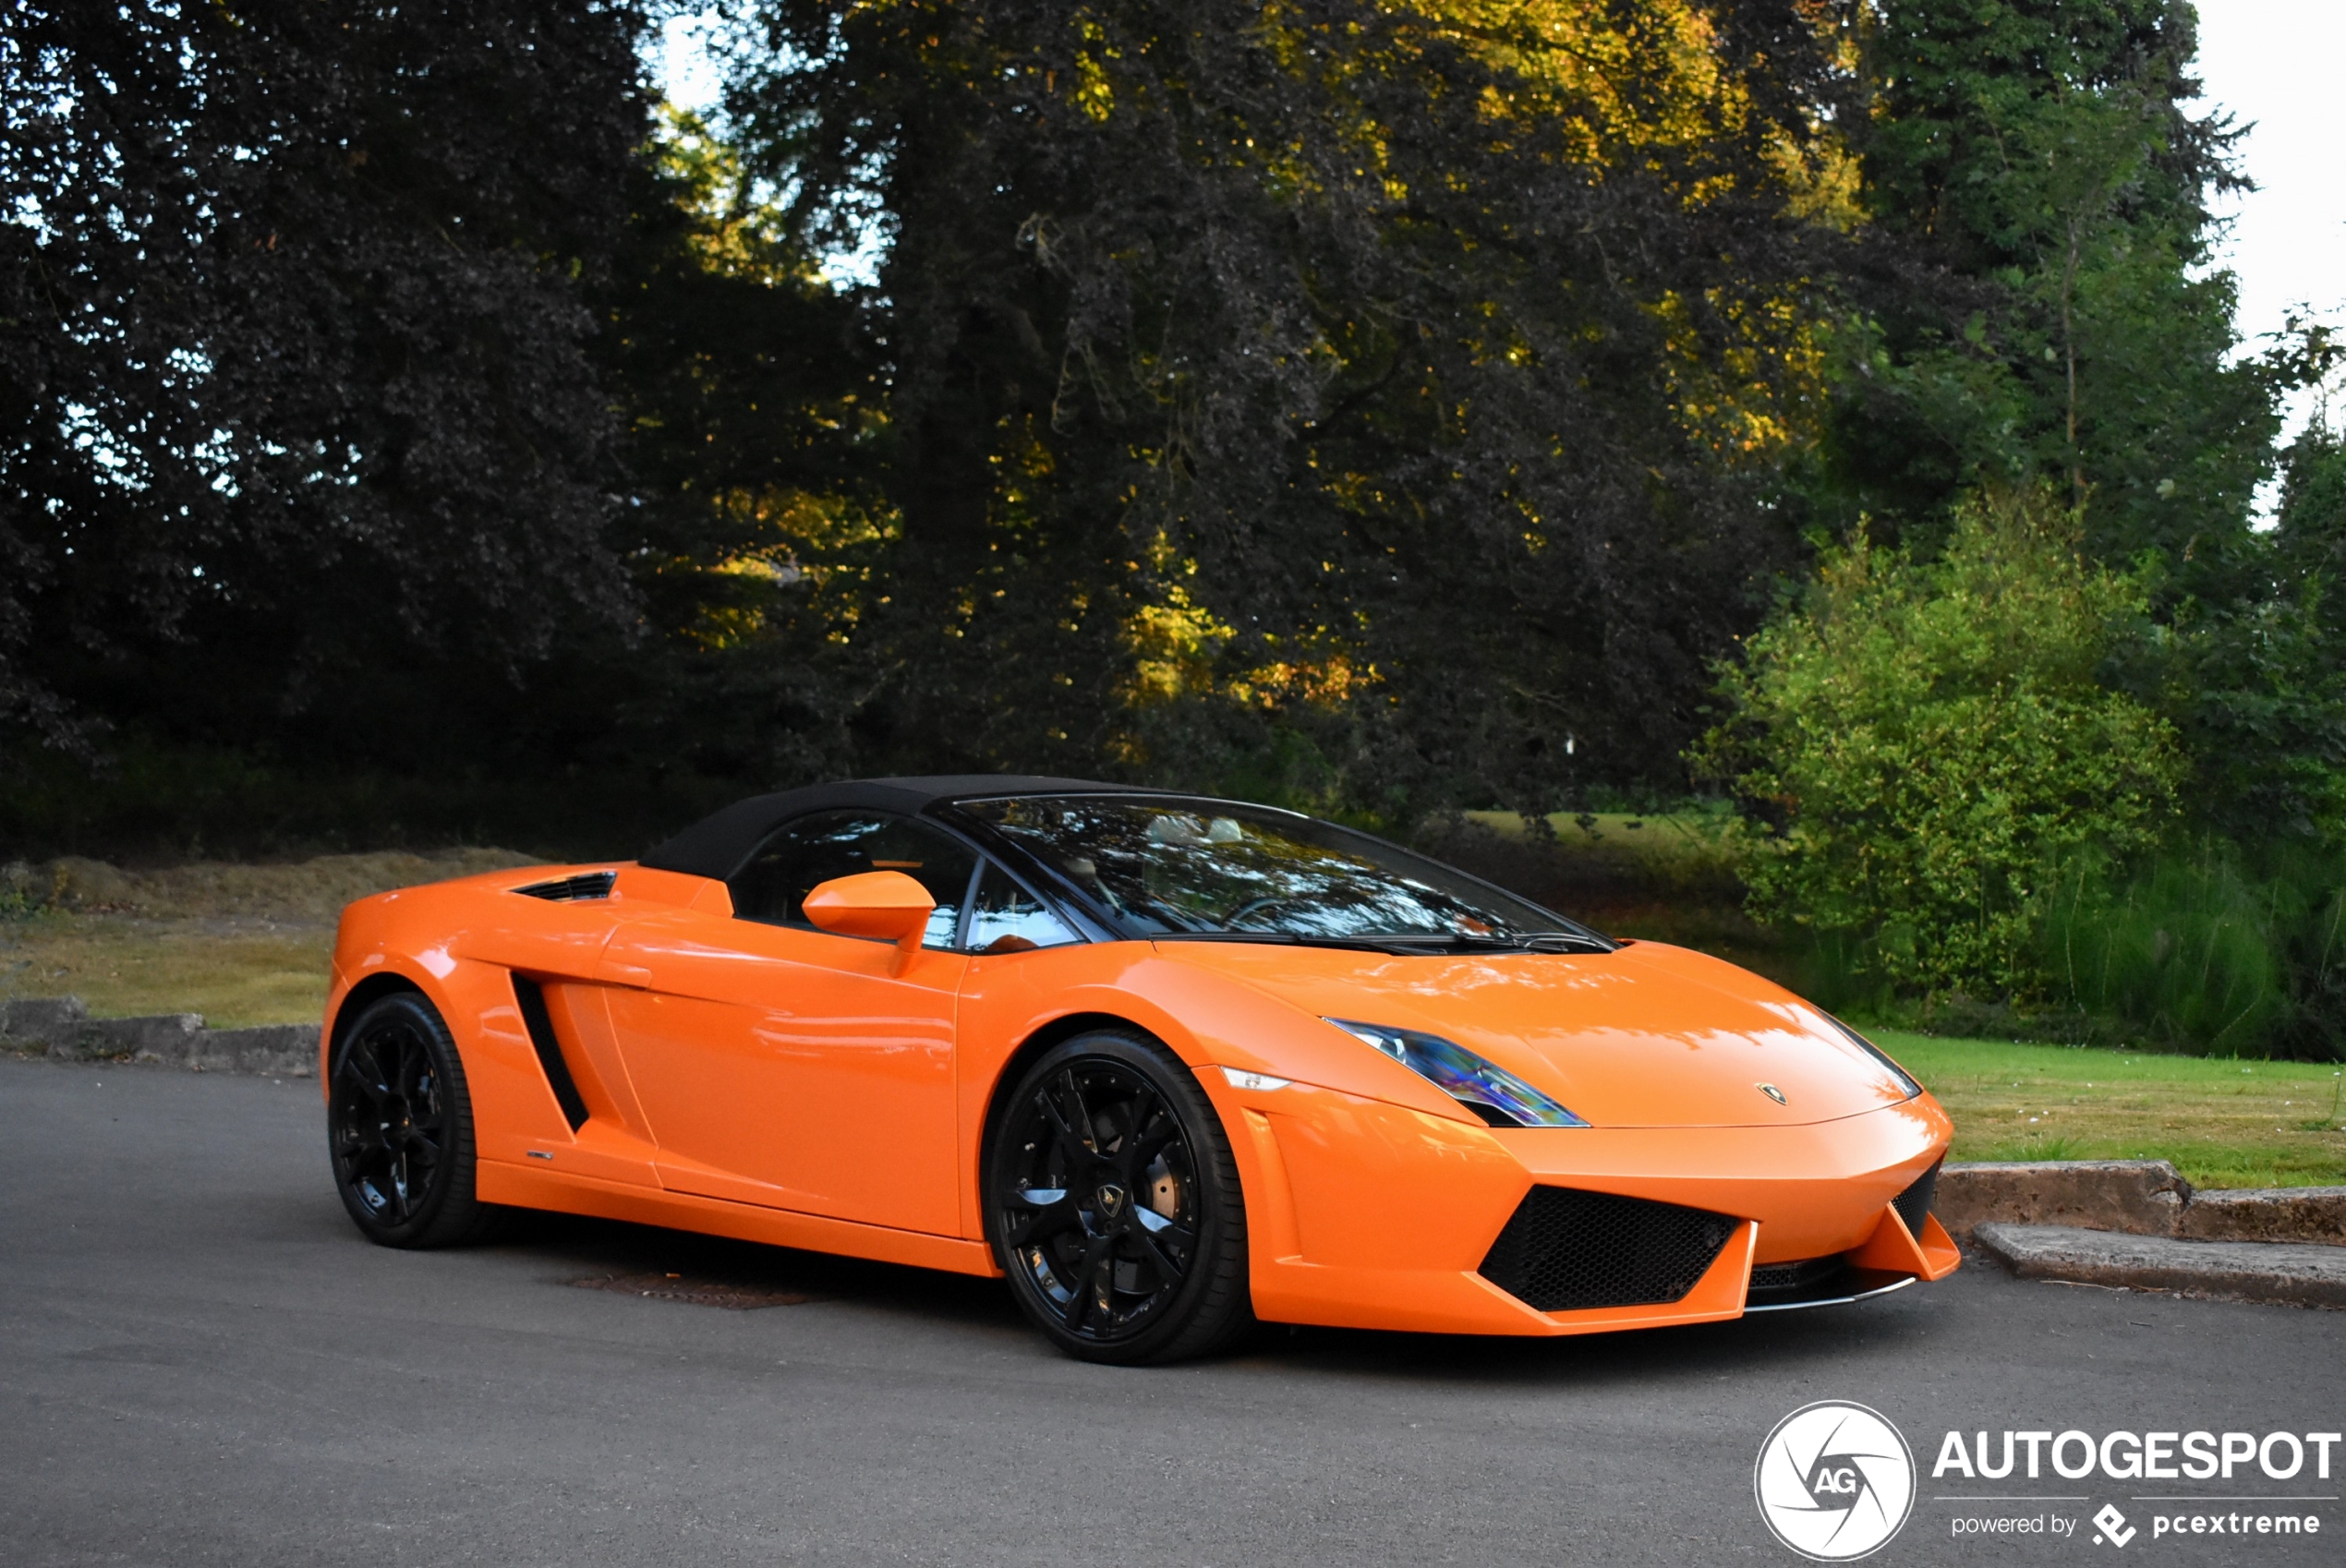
<point x="240" y="944"/>
<point x="124" y="965"/>
<point x="2223" y="1122"/>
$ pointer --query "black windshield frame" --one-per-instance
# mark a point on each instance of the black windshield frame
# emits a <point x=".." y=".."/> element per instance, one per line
<point x="1531" y="926"/>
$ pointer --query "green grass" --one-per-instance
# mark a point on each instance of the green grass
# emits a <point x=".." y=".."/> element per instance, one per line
<point x="240" y="944"/>
<point x="122" y="966"/>
<point x="2223" y="1121"/>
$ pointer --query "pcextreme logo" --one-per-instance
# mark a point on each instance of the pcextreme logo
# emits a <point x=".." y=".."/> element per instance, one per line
<point x="1834" y="1481"/>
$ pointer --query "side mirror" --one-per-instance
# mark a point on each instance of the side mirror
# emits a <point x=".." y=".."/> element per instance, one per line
<point x="885" y="904"/>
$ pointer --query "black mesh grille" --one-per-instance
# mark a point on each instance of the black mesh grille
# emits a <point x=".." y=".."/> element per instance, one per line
<point x="570" y="889"/>
<point x="1914" y="1205"/>
<point x="1791" y="1276"/>
<point x="1807" y="1280"/>
<point x="1566" y="1249"/>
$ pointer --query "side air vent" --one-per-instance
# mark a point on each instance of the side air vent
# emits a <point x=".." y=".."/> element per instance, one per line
<point x="534" y="1017"/>
<point x="571" y="889"/>
<point x="1564" y="1250"/>
<point x="1914" y="1205"/>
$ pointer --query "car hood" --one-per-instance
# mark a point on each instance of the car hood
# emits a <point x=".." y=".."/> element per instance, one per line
<point x="1649" y="1035"/>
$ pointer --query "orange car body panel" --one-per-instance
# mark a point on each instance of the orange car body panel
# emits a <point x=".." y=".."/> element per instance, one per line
<point x="817" y="1090"/>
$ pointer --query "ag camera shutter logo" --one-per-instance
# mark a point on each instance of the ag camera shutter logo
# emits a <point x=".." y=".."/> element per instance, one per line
<point x="1834" y="1481"/>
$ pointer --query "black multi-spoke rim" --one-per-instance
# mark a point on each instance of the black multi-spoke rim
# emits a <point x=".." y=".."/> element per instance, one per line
<point x="1098" y="1198"/>
<point x="391" y="1120"/>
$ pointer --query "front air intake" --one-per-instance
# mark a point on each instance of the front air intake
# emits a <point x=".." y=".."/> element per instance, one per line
<point x="571" y="889"/>
<point x="1914" y="1205"/>
<point x="1565" y="1250"/>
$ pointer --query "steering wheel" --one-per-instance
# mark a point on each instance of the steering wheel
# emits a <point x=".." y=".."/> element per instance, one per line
<point x="1268" y="902"/>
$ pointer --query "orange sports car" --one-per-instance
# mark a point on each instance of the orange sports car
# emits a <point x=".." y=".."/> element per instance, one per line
<point x="1170" y="1064"/>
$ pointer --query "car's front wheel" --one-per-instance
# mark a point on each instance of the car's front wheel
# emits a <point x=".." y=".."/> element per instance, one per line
<point x="1113" y="1204"/>
<point x="399" y="1126"/>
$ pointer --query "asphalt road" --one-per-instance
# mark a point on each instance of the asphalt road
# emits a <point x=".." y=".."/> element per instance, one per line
<point x="205" y="1364"/>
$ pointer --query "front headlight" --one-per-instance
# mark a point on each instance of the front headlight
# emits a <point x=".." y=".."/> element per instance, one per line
<point x="1905" y="1079"/>
<point x="1489" y="1091"/>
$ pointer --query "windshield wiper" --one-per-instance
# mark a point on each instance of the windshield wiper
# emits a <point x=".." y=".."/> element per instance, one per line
<point x="1533" y="942"/>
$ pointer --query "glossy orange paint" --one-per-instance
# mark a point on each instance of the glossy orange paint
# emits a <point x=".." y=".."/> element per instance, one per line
<point x="888" y="905"/>
<point x="818" y="1088"/>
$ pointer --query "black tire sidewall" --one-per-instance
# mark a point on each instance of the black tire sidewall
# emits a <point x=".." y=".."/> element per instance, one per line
<point x="1221" y="1207"/>
<point x="448" y="1212"/>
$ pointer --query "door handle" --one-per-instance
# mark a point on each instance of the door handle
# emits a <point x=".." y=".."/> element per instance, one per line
<point x="623" y="974"/>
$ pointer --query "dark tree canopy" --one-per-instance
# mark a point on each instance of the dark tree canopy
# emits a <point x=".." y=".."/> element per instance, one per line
<point x="1243" y="360"/>
<point x="1387" y="408"/>
<point x="295" y="351"/>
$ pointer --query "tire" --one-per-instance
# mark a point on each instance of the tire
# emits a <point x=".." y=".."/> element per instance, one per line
<point x="399" y="1127"/>
<point x="1113" y="1204"/>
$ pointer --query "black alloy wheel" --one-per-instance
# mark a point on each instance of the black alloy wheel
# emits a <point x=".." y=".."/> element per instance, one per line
<point x="1114" y="1206"/>
<point x="399" y="1126"/>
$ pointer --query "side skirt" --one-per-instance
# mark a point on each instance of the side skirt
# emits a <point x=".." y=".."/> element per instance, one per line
<point x="522" y="1188"/>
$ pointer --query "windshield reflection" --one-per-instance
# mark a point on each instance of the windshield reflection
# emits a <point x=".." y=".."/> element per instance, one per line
<point x="1177" y="867"/>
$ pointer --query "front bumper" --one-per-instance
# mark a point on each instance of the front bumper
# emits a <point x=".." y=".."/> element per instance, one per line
<point x="1365" y="1215"/>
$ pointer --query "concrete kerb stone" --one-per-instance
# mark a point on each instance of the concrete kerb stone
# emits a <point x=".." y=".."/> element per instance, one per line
<point x="2144" y="1197"/>
<point x="2135" y="1198"/>
<point x="41" y="1019"/>
<point x="62" y="1029"/>
<point x="2278" y="1213"/>
<point x="2298" y="1276"/>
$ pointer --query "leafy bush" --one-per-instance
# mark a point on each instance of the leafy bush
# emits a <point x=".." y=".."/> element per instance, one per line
<point x="1916" y="744"/>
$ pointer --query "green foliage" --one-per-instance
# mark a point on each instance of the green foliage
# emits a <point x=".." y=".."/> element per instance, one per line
<point x="2180" y="956"/>
<point x="1920" y="742"/>
<point x="2048" y="152"/>
<point x="2251" y="673"/>
<point x="2198" y="952"/>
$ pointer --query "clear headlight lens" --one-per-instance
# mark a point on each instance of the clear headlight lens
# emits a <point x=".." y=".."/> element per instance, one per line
<point x="1489" y="1091"/>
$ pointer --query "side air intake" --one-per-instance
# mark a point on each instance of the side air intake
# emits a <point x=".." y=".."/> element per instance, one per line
<point x="1914" y="1205"/>
<point x="1565" y="1250"/>
<point x="540" y="1024"/>
<point x="571" y="889"/>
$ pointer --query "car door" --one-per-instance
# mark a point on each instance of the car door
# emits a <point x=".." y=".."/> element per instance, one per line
<point x="781" y="1065"/>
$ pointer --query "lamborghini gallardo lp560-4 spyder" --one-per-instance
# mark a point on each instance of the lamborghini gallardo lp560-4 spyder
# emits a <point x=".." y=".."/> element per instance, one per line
<point x="1167" y="1064"/>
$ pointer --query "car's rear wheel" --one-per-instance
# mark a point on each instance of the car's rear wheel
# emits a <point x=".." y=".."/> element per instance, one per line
<point x="1113" y="1204"/>
<point x="399" y="1126"/>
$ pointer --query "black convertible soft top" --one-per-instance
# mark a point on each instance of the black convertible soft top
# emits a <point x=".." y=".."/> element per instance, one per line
<point x="716" y="845"/>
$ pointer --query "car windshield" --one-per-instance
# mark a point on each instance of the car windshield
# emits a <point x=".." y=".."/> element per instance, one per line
<point x="1212" y="868"/>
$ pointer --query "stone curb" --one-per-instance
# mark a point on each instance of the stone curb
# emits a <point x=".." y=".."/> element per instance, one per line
<point x="2275" y="1273"/>
<point x="2135" y="1197"/>
<point x="62" y="1029"/>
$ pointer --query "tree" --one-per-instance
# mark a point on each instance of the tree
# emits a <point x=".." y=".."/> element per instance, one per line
<point x="297" y="355"/>
<point x="2048" y="148"/>
<point x="1399" y="380"/>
